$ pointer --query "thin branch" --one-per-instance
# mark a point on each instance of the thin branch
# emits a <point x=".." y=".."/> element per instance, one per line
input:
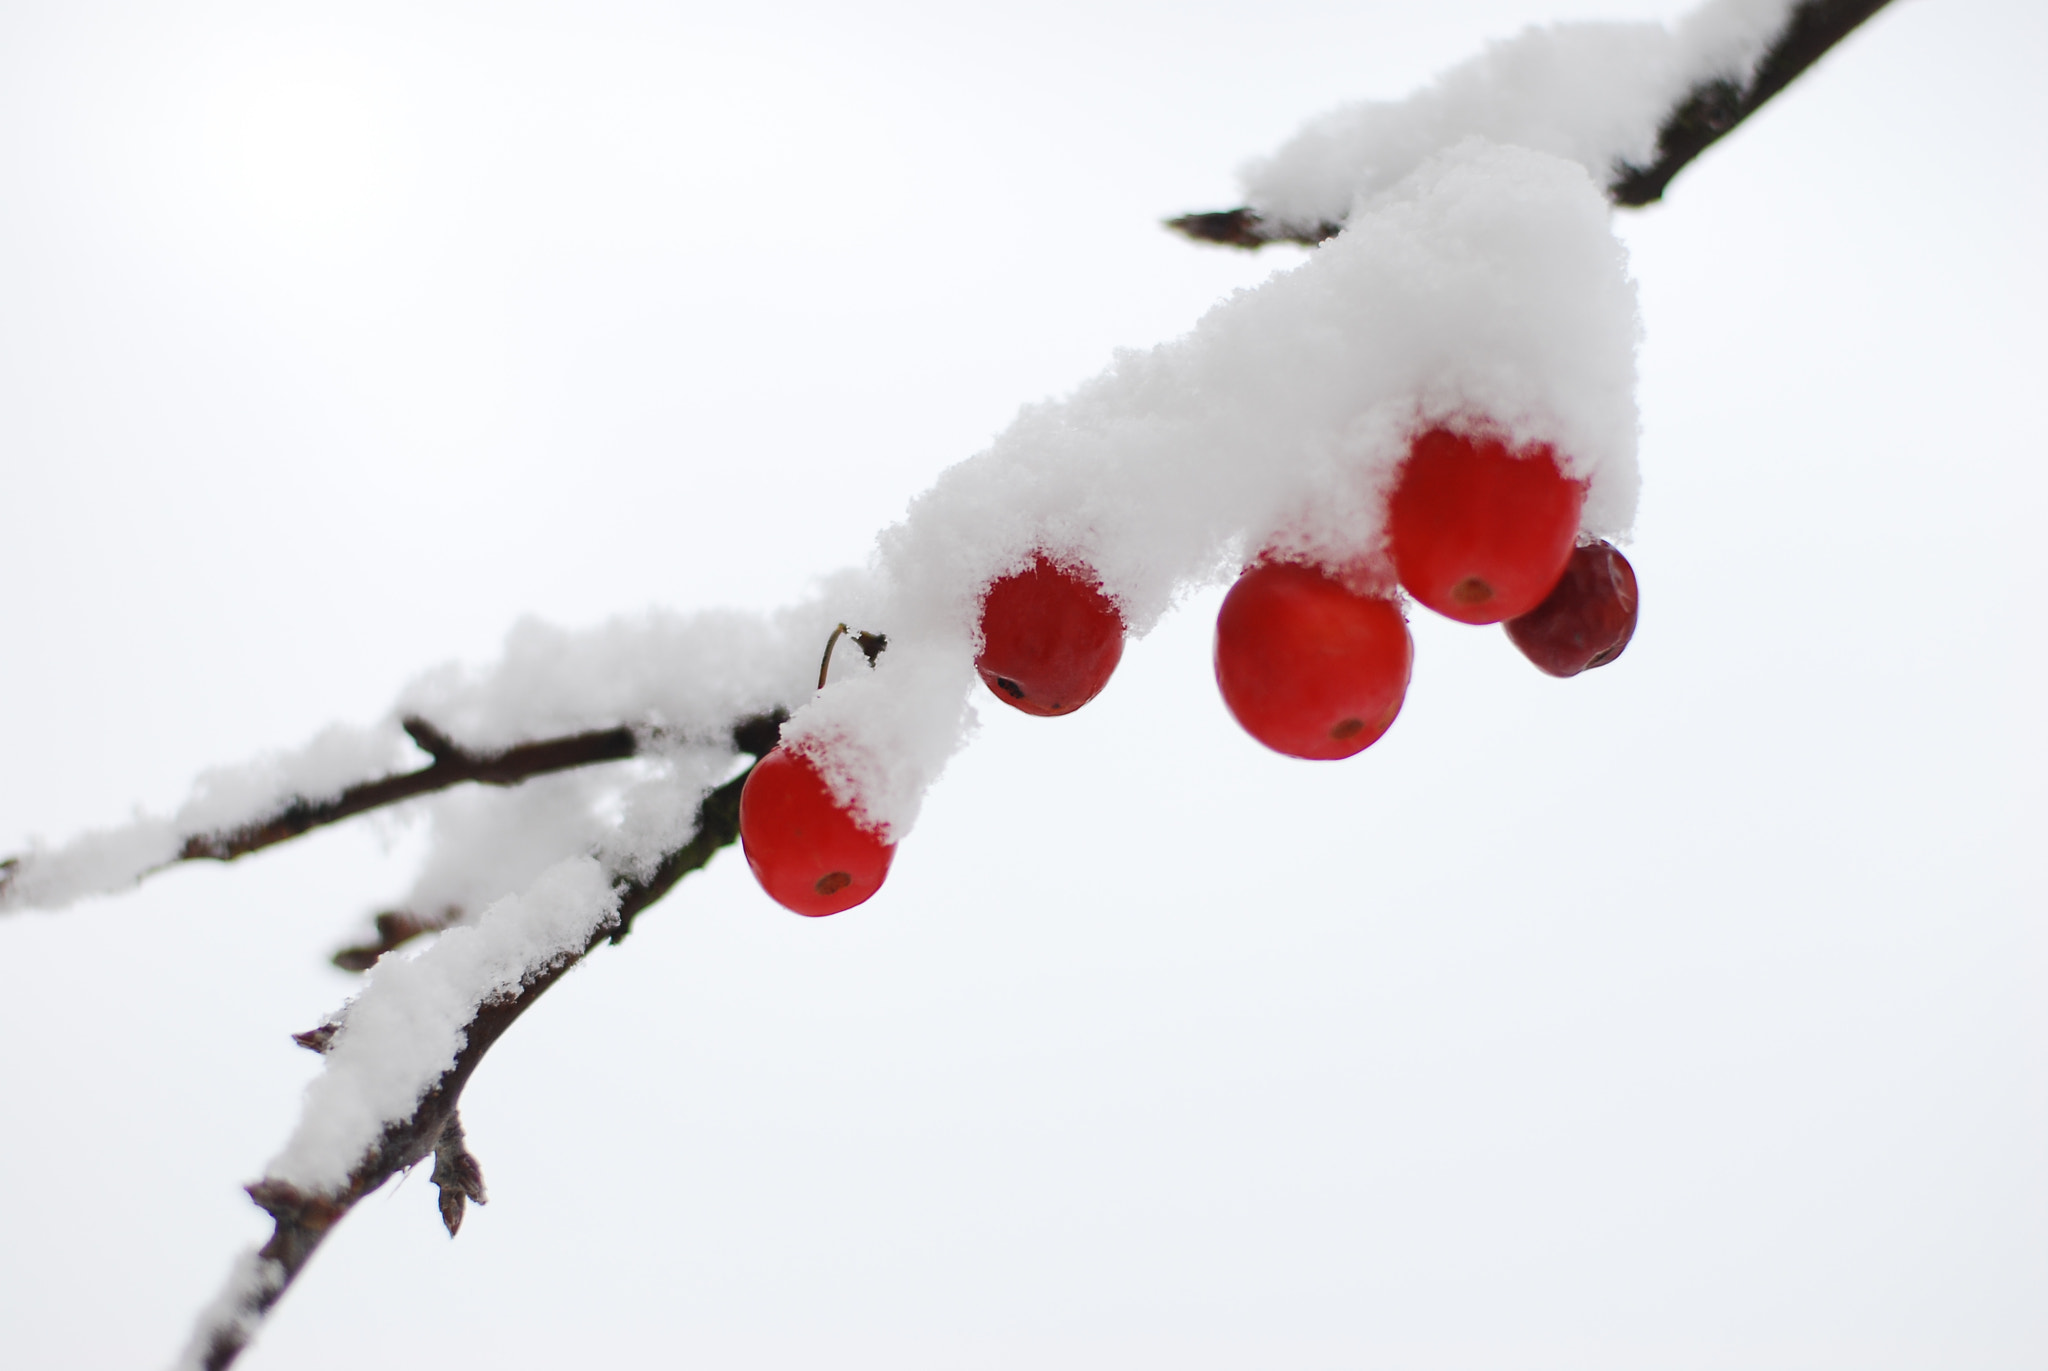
<point x="1246" y="228"/>
<point x="453" y="765"/>
<point x="1709" y="112"/>
<point x="303" y="1220"/>
<point x="1714" y="108"/>
<point x="395" y="928"/>
<point x="456" y="1174"/>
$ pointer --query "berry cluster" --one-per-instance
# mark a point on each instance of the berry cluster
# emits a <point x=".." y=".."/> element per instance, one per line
<point x="1308" y="665"/>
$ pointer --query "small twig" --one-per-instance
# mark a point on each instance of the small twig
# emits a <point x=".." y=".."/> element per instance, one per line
<point x="453" y="765"/>
<point x="395" y="928"/>
<point x="870" y="644"/>
<point x="1708" y="113"/>
<point x="317" y="1039"/>
<point x="457" y="1174"/>
<point x="1245" y="228"/>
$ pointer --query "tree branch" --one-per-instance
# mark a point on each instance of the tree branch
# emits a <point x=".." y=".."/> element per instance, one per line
<point x="1709" y="112"/>
<point x="303" y="1220"/>
<point x="395" y="928"/>
<point x="453" y="765"/>
<point x="1713" y="108"/>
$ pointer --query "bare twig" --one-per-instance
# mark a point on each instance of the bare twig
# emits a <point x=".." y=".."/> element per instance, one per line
<point x="1245" y="227"/>
<point x="303" y="1220"/>
<point x="456" y="1173"/>
<point x="1709" y="112"/>
<point x="395" y="928"/>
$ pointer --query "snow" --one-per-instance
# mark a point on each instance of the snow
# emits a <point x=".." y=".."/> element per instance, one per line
<point x="1594" y="93"/>
<point x="488" y="842"/>
<point x="236" y="1310"/>
<point x="688" y="674"/>
<point x="107" y="860"/>
<point x="403" y="1031"/>
<point x="93" y="863"/>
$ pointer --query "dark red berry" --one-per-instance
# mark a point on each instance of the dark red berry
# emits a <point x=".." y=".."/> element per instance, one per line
<point x="807" y="851"/>
<point x="1309" y="667"/>
<point x="1586" y="620"/>
<point x="1050" y="638"/>
<point x="1477" y="532"/>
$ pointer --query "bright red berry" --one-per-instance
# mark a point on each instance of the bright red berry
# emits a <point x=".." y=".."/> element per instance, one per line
<point x="1310" y="668"/>
<point x="805" y="848"/>
<point x="1587" y="620"/>
<point x="1480" y="533"/>
<point x="1050" y="638"/>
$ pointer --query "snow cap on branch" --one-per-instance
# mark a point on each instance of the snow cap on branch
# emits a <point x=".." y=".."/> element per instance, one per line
<point x="691" y="674"/>
<point x="107" y="860"/>
<point x="234" y="1315"/>
<point x="402" y="1032"/>
<point x="1594" y="93"/>
<point x="1487" y="290"/>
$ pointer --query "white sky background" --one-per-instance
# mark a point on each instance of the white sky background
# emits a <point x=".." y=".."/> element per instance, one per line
<point x="1688" y="1014"/>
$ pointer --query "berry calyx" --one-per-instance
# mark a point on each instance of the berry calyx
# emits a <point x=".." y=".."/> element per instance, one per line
<point x="1477" y="532"/>
<point x="1586" y="620"/>
<point x="1309" y="667"/>
<point x="804" y="847"/>
<point x="1050" y="638"/>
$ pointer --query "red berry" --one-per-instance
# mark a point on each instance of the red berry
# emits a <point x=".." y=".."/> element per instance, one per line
<point x="1050" y="638"/>
<point x="805" y="848"/>
<point x="1480" y="533"/>
<point x="1587" y="620"/>
<point x="1308" y="667"/>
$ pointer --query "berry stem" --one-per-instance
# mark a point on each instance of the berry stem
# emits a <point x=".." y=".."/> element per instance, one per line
<point x="870" y="645"/>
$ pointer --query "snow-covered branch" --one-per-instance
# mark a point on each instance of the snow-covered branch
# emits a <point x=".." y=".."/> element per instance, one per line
<point x="1632" y="103"/>
<point x="400" y="1054"/>
<point x="558" y="705"/>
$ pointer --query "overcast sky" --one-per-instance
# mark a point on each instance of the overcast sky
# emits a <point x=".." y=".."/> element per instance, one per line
<point x="1687" y="1014"/>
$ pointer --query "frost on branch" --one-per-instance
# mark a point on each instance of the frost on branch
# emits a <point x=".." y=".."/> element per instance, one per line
<point x="1632" y="103"/>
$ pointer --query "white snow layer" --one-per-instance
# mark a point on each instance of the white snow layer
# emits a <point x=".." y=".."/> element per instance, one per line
<point x="1486" y="289"/>
<point x="236" y="1310"/>
<point x="106" y="860"/>
<point x="1594" y="93"/>
<point x="402" y="1032"/>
